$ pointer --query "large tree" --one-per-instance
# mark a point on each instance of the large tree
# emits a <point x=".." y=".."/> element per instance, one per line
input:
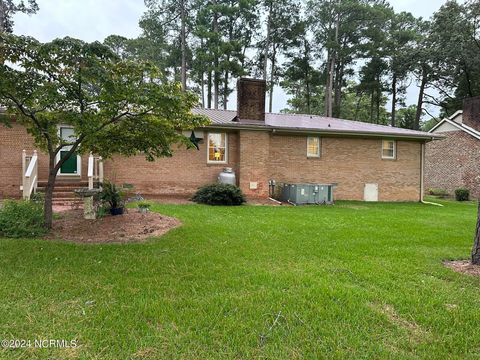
<point x="8" y="8"/>
<point x="301" y="80"/>
<point x="401" y="39"/>
<point x="114" y="106"/>
<point x="455" y="38"/>
<point x="284" y="27"/>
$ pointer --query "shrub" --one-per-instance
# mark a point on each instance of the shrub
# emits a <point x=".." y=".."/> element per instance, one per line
<point x="462" y="194"/>
<point x="113" y="195"/>
<point x="38" y="197"/>
<point x="219" y="194"/>
<point x="144" y="206"/>
<point x="21" y="219"/>
<point x="438" y="192"/>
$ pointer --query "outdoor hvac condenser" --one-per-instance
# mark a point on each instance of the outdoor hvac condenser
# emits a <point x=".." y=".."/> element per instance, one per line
<point x="300" y="194"/>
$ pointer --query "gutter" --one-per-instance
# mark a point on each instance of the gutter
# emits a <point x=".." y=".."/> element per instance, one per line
<point x="427" y="137"/>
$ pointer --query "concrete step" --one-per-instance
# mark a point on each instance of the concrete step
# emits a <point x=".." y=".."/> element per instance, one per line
<point x="63" y="195"/>
<point x="66" y="201"/>
<point x="64" y="186"/>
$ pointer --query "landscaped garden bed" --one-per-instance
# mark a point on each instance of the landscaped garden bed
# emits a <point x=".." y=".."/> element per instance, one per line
<point x="463" y="266"/>
<point x="131" y="226"/>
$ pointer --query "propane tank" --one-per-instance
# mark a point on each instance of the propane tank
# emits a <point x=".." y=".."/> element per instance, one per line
<point x="227" y="176"/>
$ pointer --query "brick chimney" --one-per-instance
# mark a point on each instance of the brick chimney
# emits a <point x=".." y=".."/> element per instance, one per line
<point x="471" y="112"/>
<point x="251" y="99"/>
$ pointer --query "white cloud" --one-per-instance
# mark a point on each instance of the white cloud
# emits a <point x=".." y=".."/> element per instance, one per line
<point x="88" y="20"/>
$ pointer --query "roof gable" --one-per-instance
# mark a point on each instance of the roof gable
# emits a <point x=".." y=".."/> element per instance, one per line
<point x="469" y="130"/>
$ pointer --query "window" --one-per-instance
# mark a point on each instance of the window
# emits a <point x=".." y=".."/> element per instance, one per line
<point x="67" y="134"/>
<point x="389" y="149"/>
<point x="313" y="146"/>
<point x="217" y="148"/>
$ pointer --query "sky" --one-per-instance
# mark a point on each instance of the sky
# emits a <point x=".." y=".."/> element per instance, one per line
<point x="92" y="20"/>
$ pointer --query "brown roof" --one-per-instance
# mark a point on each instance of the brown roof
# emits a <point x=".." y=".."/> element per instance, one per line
<point x="311" y="124"/>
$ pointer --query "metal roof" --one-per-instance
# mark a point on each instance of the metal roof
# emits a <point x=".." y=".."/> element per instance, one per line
<point x="217" y="116"/>
<point x="310" y="123"/>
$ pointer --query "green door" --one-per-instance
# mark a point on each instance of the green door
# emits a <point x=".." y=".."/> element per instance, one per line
<point x="70" y="165"/>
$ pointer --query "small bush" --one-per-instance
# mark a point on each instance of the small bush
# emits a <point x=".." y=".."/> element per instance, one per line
<point x="219" y="194"/>
<point x="442" y="193"/>
<point x="21" y="219"/>
<point x="112" y="195"/>
<point x="38" y="198"/>
<point x="462" y="194"/>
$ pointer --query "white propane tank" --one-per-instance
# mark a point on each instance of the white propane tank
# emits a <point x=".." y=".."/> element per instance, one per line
<point x="227" y="176"/>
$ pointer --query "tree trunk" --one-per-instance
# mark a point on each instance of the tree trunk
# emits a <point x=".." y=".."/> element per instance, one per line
<point x="357" y="106"/>
<point x="225" y="91"/>
<point x="183" y="36"/>
<point x="209" y="89"/>
<point x="216" y="73"/>
<point x="476" y="244"/>
<point x="308" y="95"/>
<point x="338" y="90"/>
<point x="418" y="115"/>
<point x="47" y="207"/>
<point x="329" y="87"/>
<point x="331" y="70"/>
<point x="267" y="42"/>
<point x="394" y="99"/>
<point x="203" y="89"/>
<point x="272" y="79"/>
<point x="378" y="99"/>
<point x="372" y="104"/>
<point x="3" y="16"/>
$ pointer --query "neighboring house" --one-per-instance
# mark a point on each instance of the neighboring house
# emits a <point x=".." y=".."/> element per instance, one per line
<point x="259" y="147"/>
<point x="455" y="161"/>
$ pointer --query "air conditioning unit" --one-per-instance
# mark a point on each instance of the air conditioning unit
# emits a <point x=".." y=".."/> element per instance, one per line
<point x="302" y="194"/>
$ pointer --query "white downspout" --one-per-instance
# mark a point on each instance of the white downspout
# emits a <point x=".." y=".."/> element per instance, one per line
<point x="422" y="175"/>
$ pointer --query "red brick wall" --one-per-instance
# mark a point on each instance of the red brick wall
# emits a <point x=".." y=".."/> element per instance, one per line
<point x="256" y="156"/>
<point x="181" y="174"/>
<point x="12" y="141"/>
<point x="453" y="162"/>
<point x="351" y="163"/>
<point x="255" y="162"/>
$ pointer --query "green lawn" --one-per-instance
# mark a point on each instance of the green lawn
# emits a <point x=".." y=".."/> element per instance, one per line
<point x="353" y="280"/>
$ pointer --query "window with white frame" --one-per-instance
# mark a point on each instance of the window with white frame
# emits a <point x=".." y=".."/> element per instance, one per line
<point x="67" y="134"/>
<point x="389" y="149"/>
<point x="217" y="148"/>
<point x="313" y="146"/>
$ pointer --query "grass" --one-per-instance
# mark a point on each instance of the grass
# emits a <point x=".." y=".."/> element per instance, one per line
<point x="351" y="281"/>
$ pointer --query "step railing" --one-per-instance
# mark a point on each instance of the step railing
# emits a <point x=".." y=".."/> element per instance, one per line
<point x="95" y="170"/>
<point x="29" y="174"/>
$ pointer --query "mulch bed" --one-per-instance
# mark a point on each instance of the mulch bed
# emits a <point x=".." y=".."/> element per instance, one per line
<point x="132" y="226"/>
<point x="463" y="266"/>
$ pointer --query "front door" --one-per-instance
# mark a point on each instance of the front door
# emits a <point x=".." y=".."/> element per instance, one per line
<point x="70" y="165"/>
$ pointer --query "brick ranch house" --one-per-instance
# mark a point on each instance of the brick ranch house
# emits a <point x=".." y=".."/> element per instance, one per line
<point x="259" y="147"/>
<point x="455" y="161"/>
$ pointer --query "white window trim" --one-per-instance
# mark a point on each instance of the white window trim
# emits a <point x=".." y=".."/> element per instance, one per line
<point x="208" y="148"/>
<point x="317" y="155"/>
<point x="66" y="148"/>
<point x="394" y="157"/>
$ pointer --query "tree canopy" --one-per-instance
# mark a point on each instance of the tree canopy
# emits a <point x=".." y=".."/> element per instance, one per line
<point x="320" y="52"/>
<point x="115" y="106"/>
